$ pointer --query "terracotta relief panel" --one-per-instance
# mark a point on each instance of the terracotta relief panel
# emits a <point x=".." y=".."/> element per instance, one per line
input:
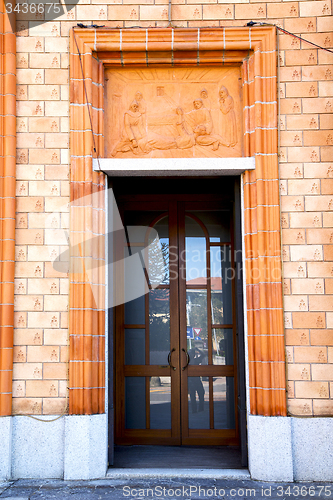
<point x="173" y="113"/>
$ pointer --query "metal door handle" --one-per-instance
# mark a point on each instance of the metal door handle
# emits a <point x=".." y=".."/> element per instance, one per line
<point x="187" y="359"/>
<point x="169" y="359"/>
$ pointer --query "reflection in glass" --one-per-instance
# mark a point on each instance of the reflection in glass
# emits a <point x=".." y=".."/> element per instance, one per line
<point x="195" y="252"/>
<point x="222" y="274"/>
<point x="159" y="326"/>
<point x="158" y="253"/>
<point x="196" y="314"/>
<point x="135" y="286"/>
<point x="135" y="403"/>
<point x="222" y="346"/>
<point x="224" y="403"/>
<point x="134" y="346"/>
<point x="160" y="402"/>
<point x="217" y="224"/>
<point x="198" y="403"/>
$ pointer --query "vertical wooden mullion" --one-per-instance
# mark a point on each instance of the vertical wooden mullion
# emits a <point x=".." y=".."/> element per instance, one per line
<point x="147" y="344"/>
<point x="182" y="343"/>
<point x="211" y="403"/>
<point x="234" y="331"/>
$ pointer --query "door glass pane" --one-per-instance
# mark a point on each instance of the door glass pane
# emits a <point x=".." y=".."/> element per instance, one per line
<point x="198" y="403"/>
<point x="135" y="403"/>
<point x="135" y="286"/>
<point x="222" y="346"/>
<point x="196" y="313"/>
<point x="160" y="402"/>
<point x="159" y="326"/>
<point x="217" y="224"/>
<point x="158" y="253"/>
<point x="134" y="346"/>
<point x="222" y="274"/>
<point x="195" y="253"/>
<point x="224" y="403"/>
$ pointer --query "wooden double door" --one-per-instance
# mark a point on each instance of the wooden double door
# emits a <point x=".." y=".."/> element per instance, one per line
<point x="175" y="335"/>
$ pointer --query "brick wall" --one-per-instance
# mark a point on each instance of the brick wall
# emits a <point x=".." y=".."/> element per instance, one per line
<point x="306" y="171"/>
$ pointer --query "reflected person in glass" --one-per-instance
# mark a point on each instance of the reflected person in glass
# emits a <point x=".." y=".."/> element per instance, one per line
<point x="194" y="383"/>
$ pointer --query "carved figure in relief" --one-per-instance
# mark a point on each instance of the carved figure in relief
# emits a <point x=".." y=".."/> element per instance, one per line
<point x="133" y="131"/>
<point x="205" y="99"/>
<point x="200" y="121"/>
<point x="229" y="130"/>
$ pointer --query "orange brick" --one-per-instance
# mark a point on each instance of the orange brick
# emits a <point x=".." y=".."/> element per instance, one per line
<point x="301" y="89"/>
<point x="293" y="236"/>
<point x="54" y="370"/>
<point x="305" y="354"/>
<point x="301" y="25"/>
<point x="294" y="270"/>
<point x="327" y="216"/>
<point x="308" y="320"/>
<point x="319" y="105"/>
<point x="42" y="61"/>
<point x="27" y="406"/>
<point x="295" y="303"/>
<point x="314" y="73"/>
<point x="328" y="252"/>
<point x="291" y="170"/>
<point x="43" y="319"/>
<point x="298" y="371"/>
<point x="300" y="186"/>
<point x="25" y="371"/>
<point x="30" y="108"/>
<point x="54" y="406"/>
<point x="19" y="354"/>
<point x="292" y="203"/>
<point x="322" y="372"/>
<point x="250" y="11"/>
<point x="307" y="285"/>
<point x="319" y="236"/>
<point x="297" y="337"/>
<point x="318" y="170"/>
<point x="327" y="152"/>
<point x="42" y="388"/>
<point x="225" y="11"/>
<point x="303" y="122"/>
<point x="323" y="407"/>
<point x="304" y="154"/>
<point x="330" y="354"/>
<point x="37" y="354"/>
<point x="321" y="203"/>
<point x="323" y="303"/>
<point x="56" y="76"/>
<point x="306" y="253"/>
<point x="55" y="337"/>
<point x="25" y="336"/>
<point x="300" y="57"/>
<point x="311" y="389"/>
<point x="46" y="92"/>
<point x="44" y="156"/>
<point x="28" y="140"/>
<point x="320" y="269"/>
<point x="291" y="138"/>
<point x="29" y="172"/>
<point x="317" y="138"/>
<point x="326" y="121"/>
<point x="289" y="106"/>
<point x="322" y="39"/>
<point x="321" y="337"/>
<point x="300" y="407"/>
<point x="305" y="219"/>
<point x="318" y="8"/>
<point x="29" y="237"/>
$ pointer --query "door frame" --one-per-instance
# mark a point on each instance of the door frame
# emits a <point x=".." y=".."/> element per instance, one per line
<point x="240" y="400"/>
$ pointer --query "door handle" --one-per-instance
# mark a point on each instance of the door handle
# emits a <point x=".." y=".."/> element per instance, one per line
<point x="169" y="359"/>
<point x="187" y="359"/>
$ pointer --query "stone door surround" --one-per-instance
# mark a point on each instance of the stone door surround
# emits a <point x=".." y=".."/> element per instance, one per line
<point x="254" y="49"/>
